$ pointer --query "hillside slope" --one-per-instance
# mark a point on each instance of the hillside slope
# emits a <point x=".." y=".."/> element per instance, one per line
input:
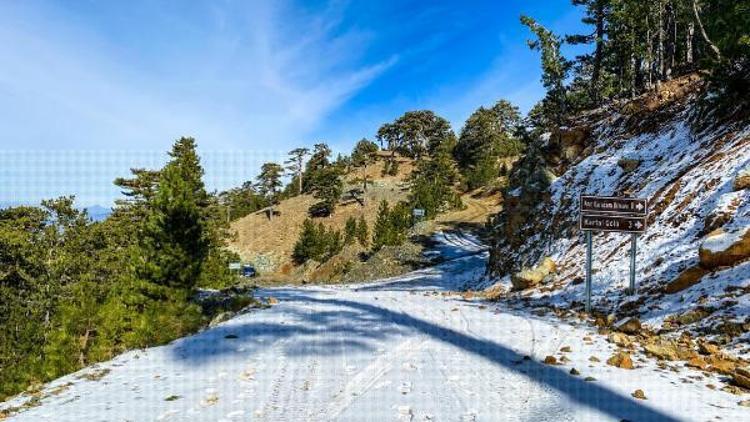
<point x="690" y="277"/>
<point x="269" y="243"/>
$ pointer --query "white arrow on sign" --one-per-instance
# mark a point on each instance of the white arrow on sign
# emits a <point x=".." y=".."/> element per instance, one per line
<point x="639" y="206"/>
<point x="638" y="225"/>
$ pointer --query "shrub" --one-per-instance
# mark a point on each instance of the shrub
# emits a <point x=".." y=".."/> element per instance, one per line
<point x="316" y="242"/>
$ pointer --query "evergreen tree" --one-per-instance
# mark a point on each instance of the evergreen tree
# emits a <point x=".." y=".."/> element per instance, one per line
<point x="175" y="239"/>
<point x="328" y="188"/>
<point x="269" y="180"/>
<point x="362" y="155"/>
<point x="295" y="164"/>
<point x="417" y="133"/>
<point x="350" y="230"/>
<point x="554" y="69"/>
<point x="319" y="160"/>
<point x="363" y="232"/>
<point x="432" y="184"/>
<point x="487" y="136"/>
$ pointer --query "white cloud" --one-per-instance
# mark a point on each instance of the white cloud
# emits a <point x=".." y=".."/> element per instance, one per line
<point x="241" y="76"/>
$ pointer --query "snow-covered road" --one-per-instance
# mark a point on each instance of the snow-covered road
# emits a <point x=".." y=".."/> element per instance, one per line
<point x="393" y="350"/>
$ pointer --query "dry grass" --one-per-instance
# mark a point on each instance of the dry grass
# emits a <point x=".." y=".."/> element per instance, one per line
<point x="256" y="235"/>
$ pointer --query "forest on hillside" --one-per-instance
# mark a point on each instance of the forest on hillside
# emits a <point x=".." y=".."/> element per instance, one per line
<point x="74" y="292"/>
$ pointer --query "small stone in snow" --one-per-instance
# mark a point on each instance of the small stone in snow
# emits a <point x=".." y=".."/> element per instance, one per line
<point x="744" y="403"/>
<point x="639" y="394"/>
<point x="594" y="359"/>
<point x="550" y="360"/>
<point x="574" y="371"/>
<point x="589" y="379"/>
<point x="565" y="349"/>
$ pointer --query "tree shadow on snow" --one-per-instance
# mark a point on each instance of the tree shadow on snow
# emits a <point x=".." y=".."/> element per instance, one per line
<point x="359" y="326"/>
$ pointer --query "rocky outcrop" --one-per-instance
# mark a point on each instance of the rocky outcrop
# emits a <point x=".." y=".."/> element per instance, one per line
<point x="742" y="181"/>
<point x="741" y="377"/>
<point x="529" y="277"/>
<point x="725" y="248"/>
<point x="687" y="278"/>
<point x="665" y="349"/>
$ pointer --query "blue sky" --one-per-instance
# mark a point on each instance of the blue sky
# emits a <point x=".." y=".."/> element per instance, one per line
<point x="89" y="89"/>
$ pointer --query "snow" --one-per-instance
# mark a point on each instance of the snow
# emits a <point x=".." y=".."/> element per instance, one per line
<point x="722" y="241"/>
<point x="403" y="349"/>
<point x="687" y="177"/>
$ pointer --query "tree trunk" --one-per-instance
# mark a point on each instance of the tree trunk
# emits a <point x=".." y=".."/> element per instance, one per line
<point x="714" y="48"/>
<point x="598" y="53"/>
<point x="649" y="54"/>
<point x="689" y="43"/>
<point x="660" y="47"/>
<point x="299" y="176"/>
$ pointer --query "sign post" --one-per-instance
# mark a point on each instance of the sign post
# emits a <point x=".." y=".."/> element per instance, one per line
<point x="612" y="214"/>
<point x="633" y="240"/>
<point x="417" y="215"/>
<point x="588" y="271"/>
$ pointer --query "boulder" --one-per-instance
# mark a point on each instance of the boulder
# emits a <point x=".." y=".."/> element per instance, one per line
<point x="667" y="349"/>
<point x="720" y="365"/>
<point x="551" y="360"/>
<point x="620" y="360"/>
<point x="742" y="181"/>
<point x="628" y="165"/>
<point x="530" y="277"/>
<point x="725" y="248"/>
<point x="628" y="326"/>
<point x="620" y="339"/>
<point x="741" y="377"/>
<point x="687" y="278"/>
<point x="707" y="348"/>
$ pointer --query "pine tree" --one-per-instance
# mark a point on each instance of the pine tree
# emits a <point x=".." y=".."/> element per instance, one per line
<point x="350" y="230"/>
<point x="417" y="133"/>
<point x="554" y="69"/>
<point x="383" y="231"/>
<point x="362" y="155"/>
<point x="295" y="164"/>
<point x="328" y="188"/>
<point x="363" y="233"/>
<point x="487" y="136"/>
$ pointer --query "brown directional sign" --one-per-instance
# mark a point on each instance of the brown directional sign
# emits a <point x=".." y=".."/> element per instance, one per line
<point x="613" y="223"/>
<point x="614" y="206"/>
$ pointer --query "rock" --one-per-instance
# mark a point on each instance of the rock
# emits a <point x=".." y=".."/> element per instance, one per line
<point x="594" y="359"/>
<point x="550" y="360"/>
<point x="589" y="379"/>
<point x="574" y="371"/>
<point x="693" y="315"/>
<point x="742" y="181"/>
<point x="741" y="377"/>
<point x="720" y="365"/>
<point x="685" y="279"/>
<point x="639" y="394"/>
<point x="219" y="318"/>
<point x="628" y="326"/>
<point x="565" y="349"/>
<point x="725" y="248"/>
<point x="272" y="300"/>
<point x="697" y="362"/>
<point x="667" y="349"/>
<point x="744" y="403"/>
<point x="628" y="165"/>
<point x="620" y="339"/>
<point x="530" y="277"/>
<point x="707" y="348"/>
<point x="620" y="360"/>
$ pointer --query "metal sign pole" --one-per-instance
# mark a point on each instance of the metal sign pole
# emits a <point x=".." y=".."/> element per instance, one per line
<point x="633" y="239"/>
<point x="588" y="271"/>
